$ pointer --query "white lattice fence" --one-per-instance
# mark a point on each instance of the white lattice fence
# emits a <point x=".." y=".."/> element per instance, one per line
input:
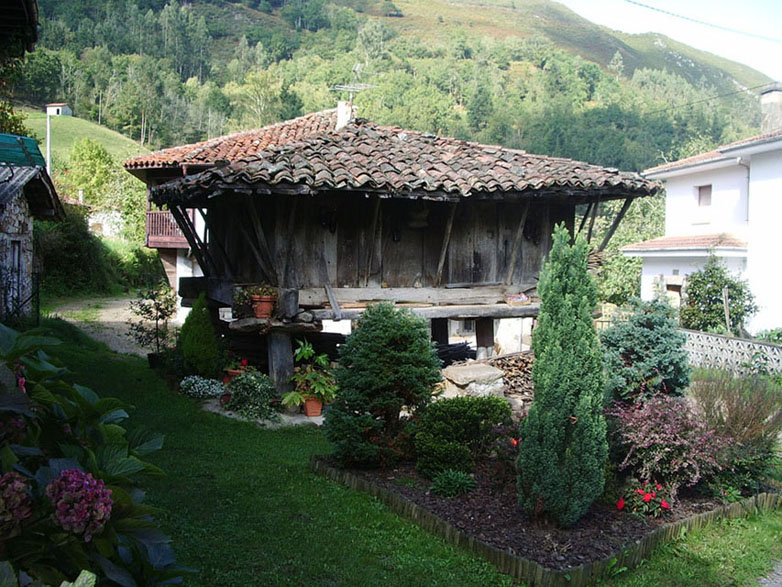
<point x="733" y="354"/>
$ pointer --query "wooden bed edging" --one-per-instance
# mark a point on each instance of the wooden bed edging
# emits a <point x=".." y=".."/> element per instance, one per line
<point x="529" y="571"/>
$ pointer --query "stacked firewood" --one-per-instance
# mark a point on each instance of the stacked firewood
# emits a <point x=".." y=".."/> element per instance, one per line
<point x="518" y="372"/>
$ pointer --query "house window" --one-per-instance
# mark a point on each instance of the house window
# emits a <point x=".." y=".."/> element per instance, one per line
<point x="468" y="325"/>
<point x="704" y="196"/>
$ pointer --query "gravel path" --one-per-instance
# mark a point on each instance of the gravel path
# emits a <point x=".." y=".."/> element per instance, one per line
<point x="105" y="320"/>
<point x="774" y="579"/>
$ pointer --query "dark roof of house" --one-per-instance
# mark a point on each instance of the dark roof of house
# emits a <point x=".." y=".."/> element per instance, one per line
<point x="36" y="185"/>
<point x="238" y="145"/>
<point x="19" y="25"/>
<point x="396" y="162"/>
<point x="716" y="154"/>
<point x="703" y="241"/>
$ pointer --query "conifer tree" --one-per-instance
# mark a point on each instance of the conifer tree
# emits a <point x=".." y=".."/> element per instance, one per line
<point x="563" y="438"/>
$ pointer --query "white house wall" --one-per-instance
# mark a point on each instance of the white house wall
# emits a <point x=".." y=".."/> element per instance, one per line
<point x="667" y="267"/>
<point x="764" y="251"/>
<point x="728" y="210"/>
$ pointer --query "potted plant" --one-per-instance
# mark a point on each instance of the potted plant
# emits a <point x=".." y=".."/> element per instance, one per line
<point x="262" y="298"/>
<point x="154" y="308"/>
<point x="235" y="367"/>
<point x="312" y="379"/>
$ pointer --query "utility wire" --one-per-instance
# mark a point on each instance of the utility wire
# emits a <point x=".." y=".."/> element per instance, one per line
<point x="677" y="106"/>
<point x="708" y="24"/>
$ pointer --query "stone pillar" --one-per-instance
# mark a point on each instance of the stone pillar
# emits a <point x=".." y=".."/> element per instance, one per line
<point x="280" y="353"/>
<point x="440" y="330"/>
<point x="484" y="337"/>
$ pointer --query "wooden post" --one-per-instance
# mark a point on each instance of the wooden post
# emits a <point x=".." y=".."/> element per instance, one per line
<point x="517" y="243"/>
<point x="592" y="221"/>
<point x="288" y="303"/>
<point x="371" y="243"/>
<point x="615" y="224"/>
<point x="440" y="330"/>
<point x="484" y="337"/>
<point x="444" y="248"/>
<point x="280" y="353"/>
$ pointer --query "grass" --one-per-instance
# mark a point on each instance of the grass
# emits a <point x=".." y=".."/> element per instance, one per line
<point x="66" y="130"/>
<point x="243" y="508"/>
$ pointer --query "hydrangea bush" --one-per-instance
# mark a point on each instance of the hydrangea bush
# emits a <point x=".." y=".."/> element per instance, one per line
<point x="201" y="387"/>
<point x="69" y="471"/>
<point x="253" y="395"/>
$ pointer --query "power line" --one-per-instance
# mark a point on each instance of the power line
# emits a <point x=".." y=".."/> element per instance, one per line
<point x="706" y="99"/>
<point x="708" y="24"/>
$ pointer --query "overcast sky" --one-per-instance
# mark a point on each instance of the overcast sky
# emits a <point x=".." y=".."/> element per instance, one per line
<point x="759" y="17"/>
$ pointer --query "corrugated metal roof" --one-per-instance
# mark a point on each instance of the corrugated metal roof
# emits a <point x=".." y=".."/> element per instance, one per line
<point x="18" y="150"/>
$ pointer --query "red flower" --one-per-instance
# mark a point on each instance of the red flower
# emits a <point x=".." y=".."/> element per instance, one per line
<point x="654" y="494"/>
<point x="658" y="487"/>
<point x="641" y="492"/>
<point x="243" y="362"/>
<point x="665" y="505"/>
<point x="621" y="503"/>
<point x="514" y="441"/>
<point x="647" y="497"/>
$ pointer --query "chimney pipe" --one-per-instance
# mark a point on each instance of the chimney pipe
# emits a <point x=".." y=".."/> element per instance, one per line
<point x="771" y="108"/>
<point x="344" y="114"/>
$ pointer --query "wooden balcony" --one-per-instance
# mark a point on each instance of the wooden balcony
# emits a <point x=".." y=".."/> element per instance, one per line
<point x="163" y="232"/>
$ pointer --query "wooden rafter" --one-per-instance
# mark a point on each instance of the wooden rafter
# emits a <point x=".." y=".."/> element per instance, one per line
<point x="595" y="209"/>
<point x="584" y="218"/>
<point x="201" y="245"/>
<point x="615" y="223"/>
<point x="446" y="240"/>
<point x="514" y="256"/>
<point x="217" y="246"/>
<point x="187" y="230"/>
<point x="263" y="244"/>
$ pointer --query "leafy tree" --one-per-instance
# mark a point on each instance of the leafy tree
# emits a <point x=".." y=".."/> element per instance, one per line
<point x="644" y="353"/>
<point x="154" y="308"/>
<point x="386" y="364"/>
<point x="90" y="169"/>
<point x="563" y="447"/>
<point x="703" y="307"/>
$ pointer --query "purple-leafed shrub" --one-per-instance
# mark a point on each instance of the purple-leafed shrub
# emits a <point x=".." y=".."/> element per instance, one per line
<point x="664" y="440"/>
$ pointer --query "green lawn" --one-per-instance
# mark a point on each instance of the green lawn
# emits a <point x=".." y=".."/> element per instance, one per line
<point x="243" y="508"/>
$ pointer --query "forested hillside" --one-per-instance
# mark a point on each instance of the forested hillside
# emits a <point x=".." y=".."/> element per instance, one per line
<point x="497" y="71"/>
<point x="527" y="74"/>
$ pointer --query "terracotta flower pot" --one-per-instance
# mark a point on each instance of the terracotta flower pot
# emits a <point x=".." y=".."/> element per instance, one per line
<point x="313" y="407"/>
<point x="263" y="306"/>
<point x="230" y="374"/>
<point x="225" y="398"/>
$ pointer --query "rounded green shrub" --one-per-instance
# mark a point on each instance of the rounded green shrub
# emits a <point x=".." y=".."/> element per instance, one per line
<point x="387" y="363"/>
<point x="198" y="340"/>
<point x="451" y="432"/>
<point x="563" y="447"/>
<point x="644" y="353"/>
<point x="253" y="395"/>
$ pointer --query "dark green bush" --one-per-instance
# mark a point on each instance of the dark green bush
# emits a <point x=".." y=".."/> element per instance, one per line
<point x="452" y="483"/>
<point x="386" y="364"/>
<point x="451" y="432"/>
<point x="703" y="303"/>
<point x="644" y="354"/>
<point x="253" y="395"/>
<point x="563" y="438"/>
<point x="200" y="347"/>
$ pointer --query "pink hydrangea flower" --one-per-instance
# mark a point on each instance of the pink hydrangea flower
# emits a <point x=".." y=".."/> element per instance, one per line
<point x="15" y="503"/>
<point x="82" y="504"/>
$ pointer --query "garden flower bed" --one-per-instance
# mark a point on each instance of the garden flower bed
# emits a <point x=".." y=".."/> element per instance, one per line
<point x="489" y="522"/>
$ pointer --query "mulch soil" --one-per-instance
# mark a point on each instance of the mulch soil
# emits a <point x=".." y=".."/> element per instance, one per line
<point x="491" y="513"/>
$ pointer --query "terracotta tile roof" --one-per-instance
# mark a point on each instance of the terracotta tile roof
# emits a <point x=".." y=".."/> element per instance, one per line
<point x="716" y="154"/>
<point x="704" y="241"/>
<point x="368" y="157"/>
<point x="237" y="145"/>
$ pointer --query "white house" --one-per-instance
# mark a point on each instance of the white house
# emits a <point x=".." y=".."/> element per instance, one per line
<point x="58" y="109"/>
<point x="727" y="202"/>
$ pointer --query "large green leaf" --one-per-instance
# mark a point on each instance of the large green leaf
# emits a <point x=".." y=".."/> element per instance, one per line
<point x="114" y="416"/>
<point x="16" y="402"/>
<point x="113" y="459"/>
<point x="8" y="338"/>
<point x="143" y="441"/>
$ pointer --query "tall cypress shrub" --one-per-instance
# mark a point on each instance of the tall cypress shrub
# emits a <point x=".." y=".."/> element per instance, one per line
<point x="563" y="447"/>
<point x="198" y="341"/>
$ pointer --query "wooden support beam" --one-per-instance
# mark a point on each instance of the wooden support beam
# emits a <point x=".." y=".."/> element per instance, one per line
<point x="446" y="240"/>
<point x="260" y="235"/>
<point x="373" y="232"/>
<point x="256" y="253"/>
<point x="453" y="312"/>
<point x="192" y="242"/>
<point x="615" y="224"/>
<point x="592" y="221"/>
<point x="514" y="256"/>
<point x="584" y="218"/>
<point x="204" y="250"/>
<point x="333" y="302"/>
<point x="440" y="330"/>
<point x="217" y="246"/>
<point x="285" y="280"/>
<point x="484" y="337"/>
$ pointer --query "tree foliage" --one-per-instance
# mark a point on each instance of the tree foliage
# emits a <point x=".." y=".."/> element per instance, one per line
<point x="703" y="307"/>
<point x="563" y="447"/>
<point x="644" y="353"/>
<point x="386" y="364"/>
<point x="198" y="341"/>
